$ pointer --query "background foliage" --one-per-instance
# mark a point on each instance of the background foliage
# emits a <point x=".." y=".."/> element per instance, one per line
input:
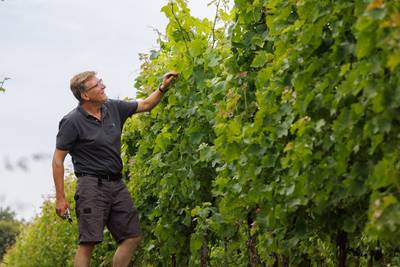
<point x="9" y="229"/>
<point x="277" y="146"/>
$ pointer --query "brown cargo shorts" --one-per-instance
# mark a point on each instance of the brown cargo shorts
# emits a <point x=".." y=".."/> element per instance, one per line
<point x="105" y="203"/>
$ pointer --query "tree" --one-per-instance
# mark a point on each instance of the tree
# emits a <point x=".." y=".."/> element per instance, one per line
<point x="2" y="89"/>
<point x="9" y="229"/>
<point x="6" y="214"/>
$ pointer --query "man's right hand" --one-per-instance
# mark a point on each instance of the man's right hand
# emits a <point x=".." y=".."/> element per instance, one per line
<point x="61" y="207"/>
<point x="58" y="176"/>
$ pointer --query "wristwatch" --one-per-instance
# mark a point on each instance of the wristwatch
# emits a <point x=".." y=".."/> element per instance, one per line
<point x="162" y="90"/>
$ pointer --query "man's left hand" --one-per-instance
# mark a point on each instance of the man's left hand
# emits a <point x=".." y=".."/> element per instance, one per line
<point x="169" y="77"/>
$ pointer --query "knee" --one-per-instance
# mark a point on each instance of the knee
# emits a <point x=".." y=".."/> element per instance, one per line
<point x="86" y="248"/>
<point x="133" y="241"/>
<point x="137" y="239"/>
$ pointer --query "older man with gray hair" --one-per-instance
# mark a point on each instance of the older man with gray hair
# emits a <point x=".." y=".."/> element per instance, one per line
<point x="91" y="134"/>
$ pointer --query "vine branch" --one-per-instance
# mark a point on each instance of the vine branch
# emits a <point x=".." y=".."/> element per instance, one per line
<point x="215" y="23"/>
<point x="180" y="27"/>
<point x="2" y="84"/>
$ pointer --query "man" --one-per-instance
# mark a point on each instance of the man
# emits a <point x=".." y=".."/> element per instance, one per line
<point x="91" y="134"/>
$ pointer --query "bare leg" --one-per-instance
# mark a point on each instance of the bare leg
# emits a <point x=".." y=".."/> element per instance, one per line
<point x="83" y="254"/>
<point x="125" y="250"/>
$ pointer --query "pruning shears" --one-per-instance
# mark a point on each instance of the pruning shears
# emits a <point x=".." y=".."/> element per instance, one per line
<point x="67" y="216"/>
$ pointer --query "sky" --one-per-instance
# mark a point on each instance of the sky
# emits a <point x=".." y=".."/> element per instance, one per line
<point x="43" y="44"/>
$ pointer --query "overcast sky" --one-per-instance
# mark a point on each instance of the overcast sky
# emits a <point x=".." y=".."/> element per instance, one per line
<point x="43" y="44"/>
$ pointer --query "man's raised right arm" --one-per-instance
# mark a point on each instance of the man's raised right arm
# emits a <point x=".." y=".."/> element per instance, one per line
<point x="58" y="176"/>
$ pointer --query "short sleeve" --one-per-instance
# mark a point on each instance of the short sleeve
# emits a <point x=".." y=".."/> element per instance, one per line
<point x="126" y="108"/>
<point x="67" y="135"/>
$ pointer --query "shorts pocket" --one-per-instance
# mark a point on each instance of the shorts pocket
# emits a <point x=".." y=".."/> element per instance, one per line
<point x="90" y="225"/>
<point x="86" y="196"/>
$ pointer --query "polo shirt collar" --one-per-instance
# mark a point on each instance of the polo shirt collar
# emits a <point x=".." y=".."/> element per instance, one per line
<point x="104" y="111"/>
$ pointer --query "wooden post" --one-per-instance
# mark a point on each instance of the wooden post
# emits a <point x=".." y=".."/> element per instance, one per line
<point x="341" y="241"/>
<point x="225" y="252"/>
<point x="173" y="258"/>
<point x="204" y="251"/>
<point x="251" y="244"/>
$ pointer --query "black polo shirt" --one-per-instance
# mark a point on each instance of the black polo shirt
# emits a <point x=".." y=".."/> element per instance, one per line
<point x="95" y="146"/>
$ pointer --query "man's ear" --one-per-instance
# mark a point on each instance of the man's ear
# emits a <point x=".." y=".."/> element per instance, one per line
<point x="84" y="96"/>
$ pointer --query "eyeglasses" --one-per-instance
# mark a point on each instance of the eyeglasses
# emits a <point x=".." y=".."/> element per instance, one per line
<point x="99" y="82"/>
